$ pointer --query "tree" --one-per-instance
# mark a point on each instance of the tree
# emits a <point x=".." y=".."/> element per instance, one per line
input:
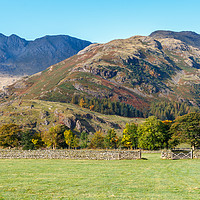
<point x="91" y="107"/>
<point x="97" y="141"/>
<point x="152" y="134"/>
<point x="30" y="139"/>
<point x="84" y="139"/>
<point x="186" y="129"/>
<point x="111" y="139"/>
<point x="10" y="135"/>
<point x="37" y="140"/>
<point x="130" y="136"/>
<point x="26" y="140"/>
<point x="54" y="137"/>
<point x="82" y="103"/>
<point x="74" y="99"/>
<point x="71" y="139"/>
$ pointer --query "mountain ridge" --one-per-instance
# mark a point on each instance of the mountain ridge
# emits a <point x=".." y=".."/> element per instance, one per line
<point x="22" y="57"/>
<point x="135" y="71"/>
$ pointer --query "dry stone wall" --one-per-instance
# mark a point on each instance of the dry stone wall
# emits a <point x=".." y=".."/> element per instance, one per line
<point x="196" y="154"/>
<point x="71" y="154"/>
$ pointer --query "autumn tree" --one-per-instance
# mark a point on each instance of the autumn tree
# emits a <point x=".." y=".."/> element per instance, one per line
<point x="186" y="129"/>
<point x="82" y="103"/>
<point x="111" y="139"/>
<point x="91" y="107"/>
<point x="10" y="135"/>
<point x="97" y="141"/>
<point x="130" y="136"/>
<point x="71" y="139"/>
<point x="152" y="134"/>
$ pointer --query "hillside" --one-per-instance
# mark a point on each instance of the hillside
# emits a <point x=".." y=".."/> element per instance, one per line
<point x="41" y="115"/>
<point x="136" y="71"/>
<point x="21" y="57"/>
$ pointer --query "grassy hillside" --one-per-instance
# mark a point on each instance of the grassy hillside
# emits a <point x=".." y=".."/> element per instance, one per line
<point x="42" y="115"/>
<point x="149" y="178"/>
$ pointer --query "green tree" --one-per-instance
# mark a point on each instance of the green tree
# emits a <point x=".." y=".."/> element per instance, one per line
<point x="97" y="141"/>
<point x="26" y="140"/>
<point x="130" y="136"/>
<point x="152" y="134"/>
<point x="31" y="139"/>
<point x="10" y="135"/>
<point x="111" y="139"/>
<point x="55" y="136"/>
<point x="186" y="129"/>
<point x="84" y="139"/>
<point x="74" y="99"/>
<point x="37" y="140"/>
<point x="71" y="139"/>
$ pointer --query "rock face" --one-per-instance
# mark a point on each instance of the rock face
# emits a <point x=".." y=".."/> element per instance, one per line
<point x="21" y="57"/>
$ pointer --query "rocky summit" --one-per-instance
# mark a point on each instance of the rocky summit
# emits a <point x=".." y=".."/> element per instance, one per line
<point x="135" y="71"/>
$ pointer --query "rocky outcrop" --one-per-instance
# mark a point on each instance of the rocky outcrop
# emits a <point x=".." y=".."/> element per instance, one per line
<point x="69" y="122"/>
<point x="78" y="126"/>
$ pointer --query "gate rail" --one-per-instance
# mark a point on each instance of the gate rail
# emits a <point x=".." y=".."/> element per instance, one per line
<point x="182" y="154"/>
<point x="178" y="154"/>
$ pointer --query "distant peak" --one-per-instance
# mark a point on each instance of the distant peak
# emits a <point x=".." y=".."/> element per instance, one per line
<point x="2" y="35"/>
<point x="14" y="36"/>
<point x="188" y="37"/>
<point x="168" y="32"/>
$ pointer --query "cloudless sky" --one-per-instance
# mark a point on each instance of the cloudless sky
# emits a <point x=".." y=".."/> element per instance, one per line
<point x="97" y="20"/>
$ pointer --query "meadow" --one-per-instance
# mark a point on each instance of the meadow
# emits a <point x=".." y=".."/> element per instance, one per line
<point x="148" y="178"/>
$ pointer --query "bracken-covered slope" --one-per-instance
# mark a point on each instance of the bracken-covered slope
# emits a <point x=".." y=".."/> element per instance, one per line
<point x="137" y="71"/>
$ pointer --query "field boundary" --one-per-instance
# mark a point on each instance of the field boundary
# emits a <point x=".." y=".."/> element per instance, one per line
<point x="180" y="154"/>
<point x="71" y="154"/>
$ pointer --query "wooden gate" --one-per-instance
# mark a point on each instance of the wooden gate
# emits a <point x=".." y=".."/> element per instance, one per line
<point x="182" y="154"/>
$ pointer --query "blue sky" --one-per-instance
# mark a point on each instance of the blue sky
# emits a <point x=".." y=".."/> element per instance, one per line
<point x="97" y="20"/>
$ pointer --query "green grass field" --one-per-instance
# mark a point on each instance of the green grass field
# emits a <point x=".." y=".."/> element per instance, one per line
<point x="149" y="178"/>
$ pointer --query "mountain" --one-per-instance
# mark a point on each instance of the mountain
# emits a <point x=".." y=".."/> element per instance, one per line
<point x="21" y="57"/>
<point x="189" y="37"/>
<point x="139" y="71"/>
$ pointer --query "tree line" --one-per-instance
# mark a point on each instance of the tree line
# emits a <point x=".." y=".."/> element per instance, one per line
<point x="170" y="110"/>
<point x="152" y="134"/>
<point x="106" y="106"/>
<point x="163" y="110"/>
